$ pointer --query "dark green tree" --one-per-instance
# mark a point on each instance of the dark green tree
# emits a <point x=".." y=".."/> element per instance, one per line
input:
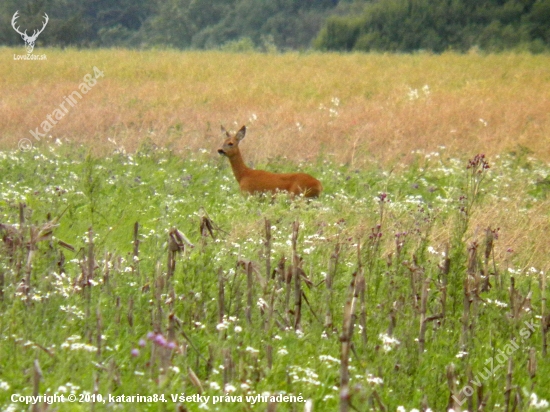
<point x="439" y="25"/>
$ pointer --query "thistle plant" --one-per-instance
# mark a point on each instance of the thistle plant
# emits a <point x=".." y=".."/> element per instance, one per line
<point x="476" y="173"/>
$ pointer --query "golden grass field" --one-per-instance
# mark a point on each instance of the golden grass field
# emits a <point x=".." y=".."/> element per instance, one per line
<point x="353" y="109"/>
<point x="350" y="108"/>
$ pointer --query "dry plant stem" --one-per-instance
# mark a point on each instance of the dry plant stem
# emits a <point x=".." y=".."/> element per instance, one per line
<point x="99" y="327"/>
<point x="512" y="295"/>
<point x="36" y="235"/>
<point x="96" y="388"/>
<point x="255" y="366"/>
<point x="159" y="282"/>
<point x="279" y="273"/>
<point x="269" y="355"/>
<point x="171" y="263"/>
<point x="22" y="226"/>
<point x="465" y="316"/>
<point x="171" y="330"/>
<point x="304" y="297"/>
<point x="392" y="319"/>
<point x="177" y="242"/>
<point x="489" y="250"/>
<point x="333" y="265"/>
<point x="117" y="312"/>
<point x="288" y="291"/>
<point x="346" y="342"/>
<point x="130" y="313"/>
<point x="424" y="319"/>
<point x="544" y="317"/>
<point x="381" y="405"/>
<point x="114" y="374"/>
<point x="106" y="270"/>
<point x="36" y="378"/>
<point x="221" y="296"/>
<point x="267" y="244"/>
<point x="361" y="286"/>
<point x="532" y="367"/>
<point x="471" y="290"/>
<point x="296" y="277"/>
<point x="470" y="399"/>
<point x="424" y="405"/>
<point x="88" y="270"/>
<point x="91" y="259"/>
<point x="158" y="314"/>
<point x="474" y="274"/>
<point x="28" y="269"/>
<point x="445" y="268"/>
<point x="423" y="309"/>
<point x="206" y="227"/>
<point x="508" y="390"/>
<point x="270" y="309"/>
<point x="194" y="379"/>
<point x="210" y="361"/>
<point x="412" y="275"/>
<point x="227" y="366"/>
<point x="249" y="292"/>
<point x="514" y="317"/>
<point x="135" y="266"/>
<point x="482" y="399"/>
<point x="199" y="353"/>
<point x="165" y="353"/>
<point x="454" y="395"/>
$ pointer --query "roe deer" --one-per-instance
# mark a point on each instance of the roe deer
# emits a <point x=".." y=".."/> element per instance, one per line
<point x="260" y="181"/>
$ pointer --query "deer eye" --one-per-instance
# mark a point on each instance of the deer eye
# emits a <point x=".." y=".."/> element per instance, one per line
<point x="230" y="144"/>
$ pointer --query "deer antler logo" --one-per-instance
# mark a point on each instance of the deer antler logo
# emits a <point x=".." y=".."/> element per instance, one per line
<point x="29" y="40"/>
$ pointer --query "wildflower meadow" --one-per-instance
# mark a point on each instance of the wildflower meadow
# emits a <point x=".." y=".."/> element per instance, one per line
<point x="142" y="279"/>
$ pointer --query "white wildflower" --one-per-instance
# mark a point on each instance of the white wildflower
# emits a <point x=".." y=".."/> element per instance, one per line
<point x="388" y="342"/>
<point x="536" y="403"/>
<point x="375" y="380"/>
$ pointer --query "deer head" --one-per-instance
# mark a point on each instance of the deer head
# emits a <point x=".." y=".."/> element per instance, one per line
<point x="230" y="146"/>
<point x="29" y="40"/>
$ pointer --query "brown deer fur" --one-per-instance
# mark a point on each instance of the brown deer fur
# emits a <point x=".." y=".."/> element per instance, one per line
<point x="259" y="181"/>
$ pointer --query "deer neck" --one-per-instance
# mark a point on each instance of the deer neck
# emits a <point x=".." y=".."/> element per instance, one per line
<point x="238" y="166"/>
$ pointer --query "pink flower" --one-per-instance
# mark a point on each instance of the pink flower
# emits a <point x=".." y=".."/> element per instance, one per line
<point x="160" y="340"/>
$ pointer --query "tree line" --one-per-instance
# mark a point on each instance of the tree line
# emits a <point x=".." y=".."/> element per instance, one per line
<point x="182" y="24"/>
<point x="338" y="25"/>
<point x="440" y="25"/>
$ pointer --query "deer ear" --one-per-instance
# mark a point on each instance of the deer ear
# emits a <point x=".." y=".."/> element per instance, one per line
<point x="240" y="134"/>
<point x="224" y="131"/>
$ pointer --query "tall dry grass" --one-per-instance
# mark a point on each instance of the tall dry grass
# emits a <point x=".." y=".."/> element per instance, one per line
<point x="353" y="108"/>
